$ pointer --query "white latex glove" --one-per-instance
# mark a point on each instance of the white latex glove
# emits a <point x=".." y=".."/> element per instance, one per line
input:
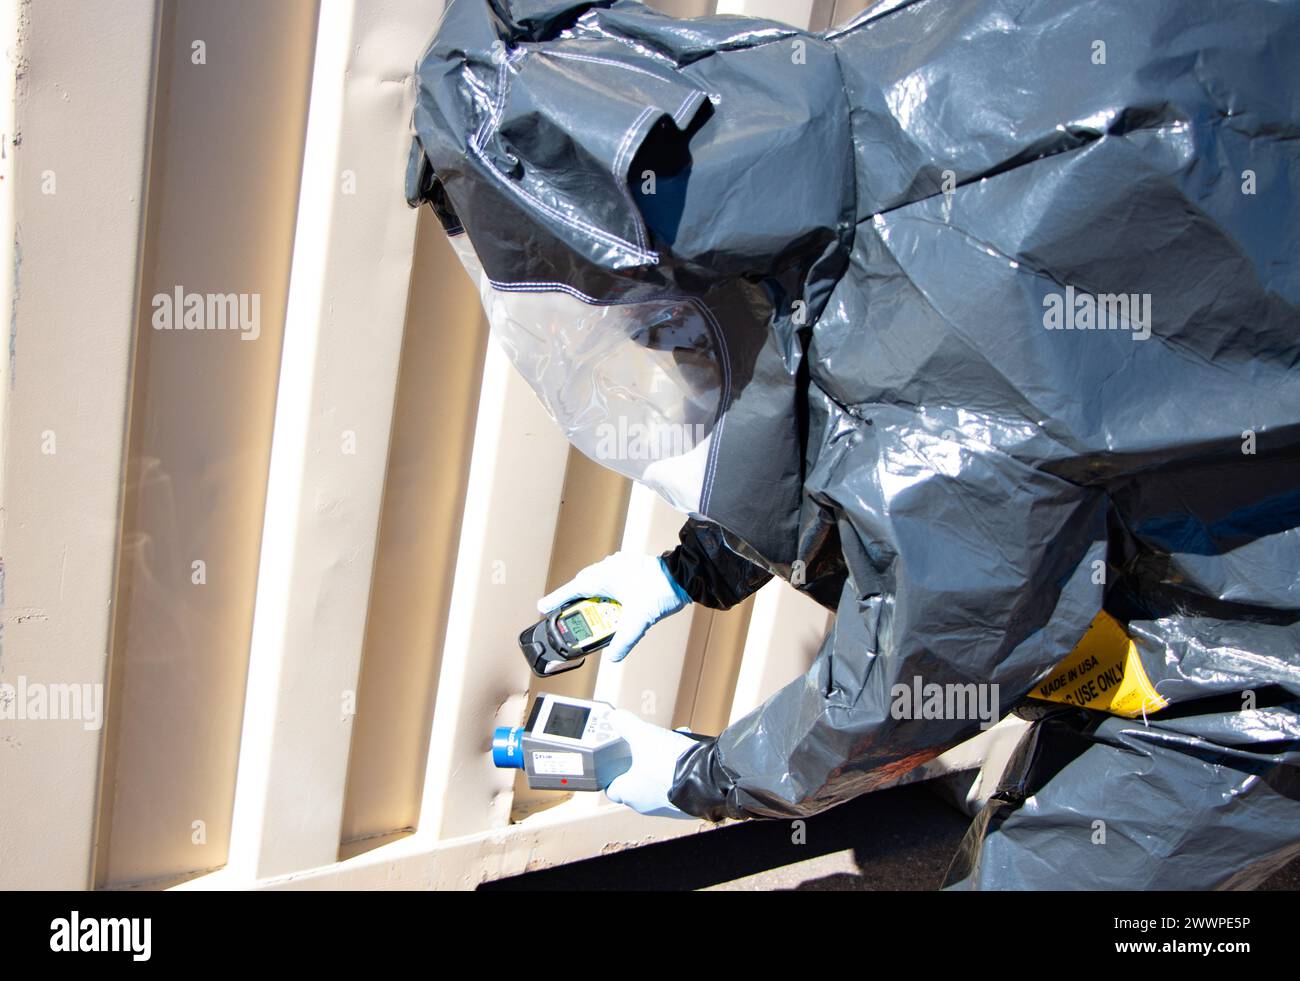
<point x="640" y="583"/>
<point x="655" y="752"/>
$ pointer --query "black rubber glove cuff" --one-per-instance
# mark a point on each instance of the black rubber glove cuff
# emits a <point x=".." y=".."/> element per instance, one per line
<point x="709" y="571"/>
<point x="701" y="787"/>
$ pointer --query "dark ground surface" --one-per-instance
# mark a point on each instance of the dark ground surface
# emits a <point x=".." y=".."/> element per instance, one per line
<point x="901" y="839"/>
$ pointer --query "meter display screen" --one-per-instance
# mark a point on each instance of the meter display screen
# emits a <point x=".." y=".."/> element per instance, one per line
<point x="567" y="720"/>
<point x="576" y="625"/>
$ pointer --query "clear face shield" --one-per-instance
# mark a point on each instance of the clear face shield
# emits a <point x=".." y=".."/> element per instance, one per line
<point x="637" y="387"/>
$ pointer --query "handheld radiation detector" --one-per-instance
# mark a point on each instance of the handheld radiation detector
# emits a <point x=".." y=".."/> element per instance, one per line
<point x="566" y="744"/>
<point x="562" y="639"/>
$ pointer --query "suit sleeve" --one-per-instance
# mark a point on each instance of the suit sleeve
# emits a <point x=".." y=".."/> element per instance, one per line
<point x="711" y="571"/>
<point x="925" y="650"/>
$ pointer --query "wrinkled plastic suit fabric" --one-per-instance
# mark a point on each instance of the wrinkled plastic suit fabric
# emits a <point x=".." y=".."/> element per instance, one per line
<point x="1182" y="802"/>
<point x="1001" y="300"/>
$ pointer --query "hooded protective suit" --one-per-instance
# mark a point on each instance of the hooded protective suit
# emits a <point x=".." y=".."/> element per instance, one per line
<point x="971" y="319"/>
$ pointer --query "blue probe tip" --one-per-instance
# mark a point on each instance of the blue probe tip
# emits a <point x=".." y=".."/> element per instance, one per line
<point x="507" y="747"/>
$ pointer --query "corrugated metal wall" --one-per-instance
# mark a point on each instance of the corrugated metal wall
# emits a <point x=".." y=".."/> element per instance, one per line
<point x="252" y="540"/>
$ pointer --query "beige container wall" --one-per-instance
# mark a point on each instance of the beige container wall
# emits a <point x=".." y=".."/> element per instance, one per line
<point x="842" y="11"/>
<point x="75" y="153"/>
<point x="231" y="96"/>
<point x="265" y="548"/>
<point x="428" y="461"/>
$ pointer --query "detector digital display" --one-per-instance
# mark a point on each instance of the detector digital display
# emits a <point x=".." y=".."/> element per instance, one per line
<point x="567" y="720"/>
<point x="576" y="626"/>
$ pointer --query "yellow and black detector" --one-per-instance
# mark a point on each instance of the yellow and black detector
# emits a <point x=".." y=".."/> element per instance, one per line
<point x="562" y="639"/>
